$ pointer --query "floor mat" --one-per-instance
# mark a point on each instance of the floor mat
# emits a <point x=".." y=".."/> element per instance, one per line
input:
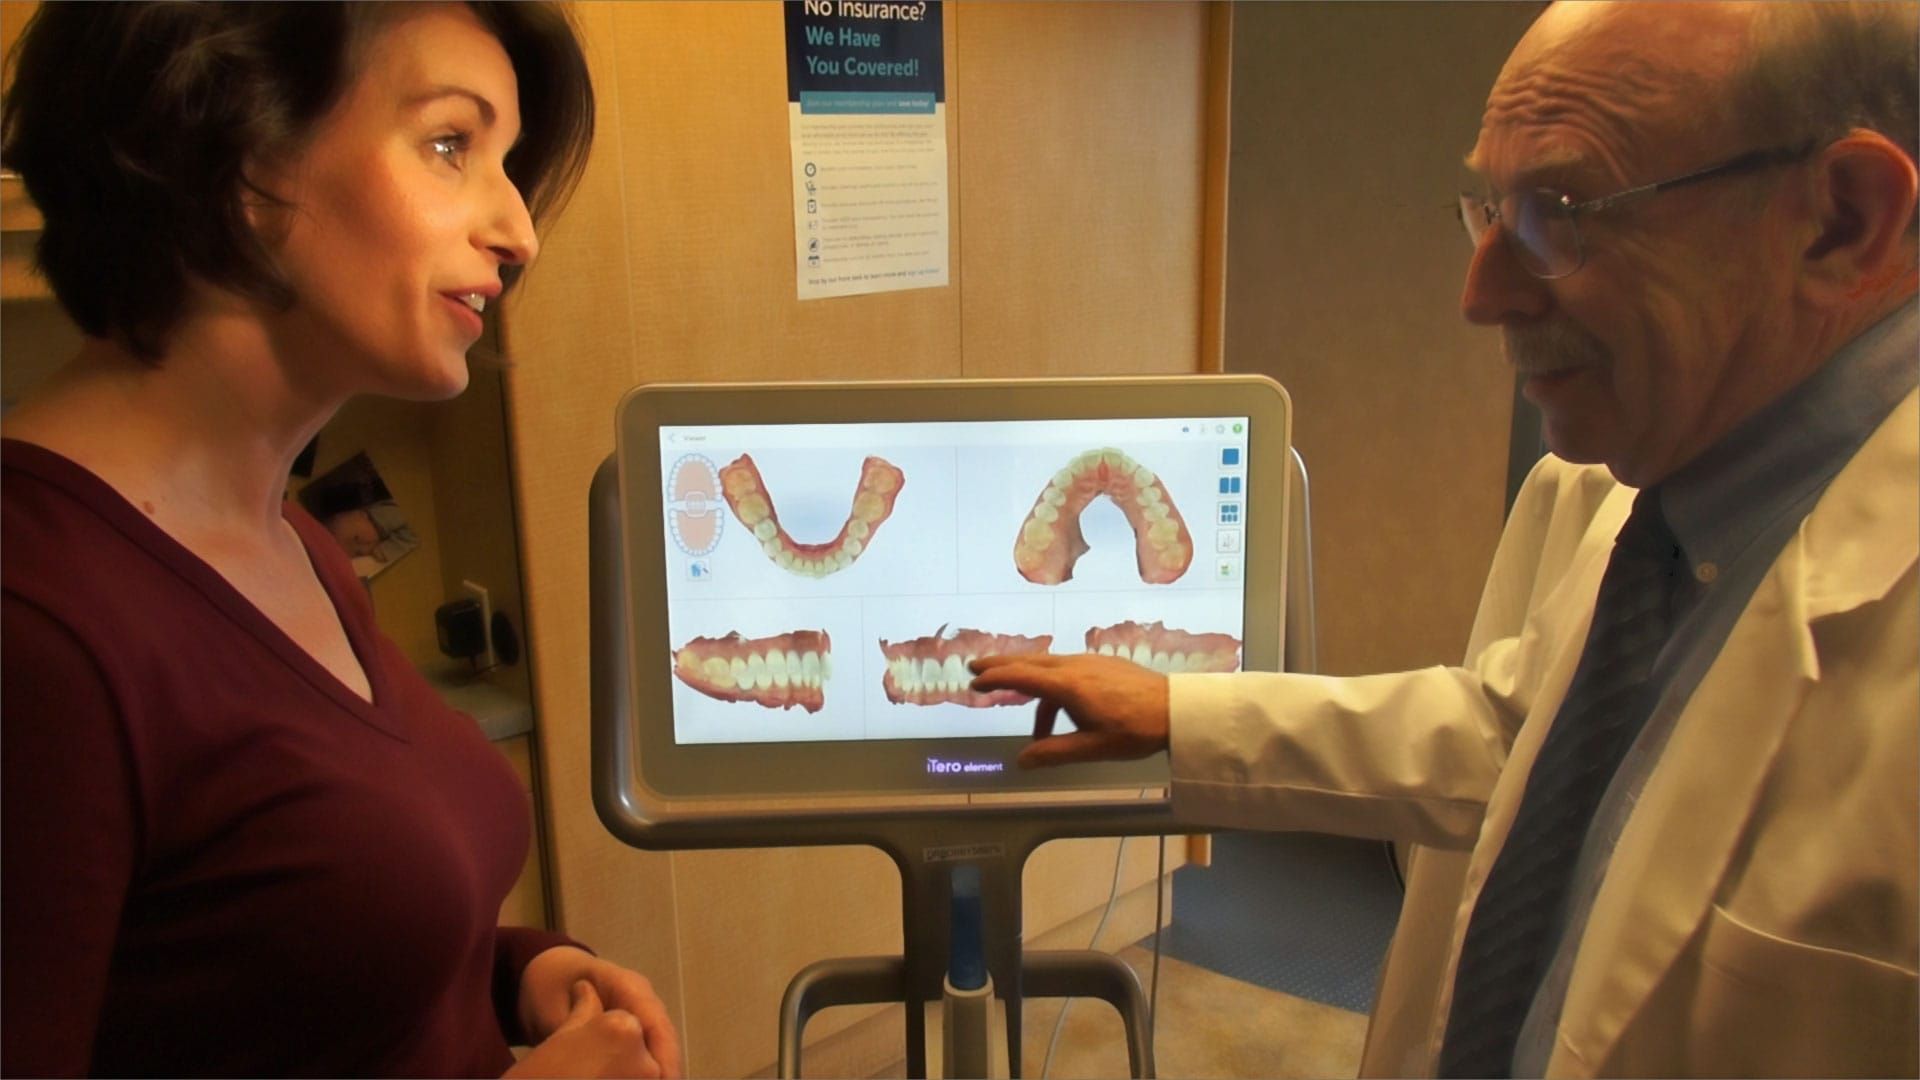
<point x="1300" y="913"/>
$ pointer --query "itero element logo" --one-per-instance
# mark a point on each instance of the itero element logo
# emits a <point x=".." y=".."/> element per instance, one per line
<point x="942" y="766"/>
<point x="693" y="504"/>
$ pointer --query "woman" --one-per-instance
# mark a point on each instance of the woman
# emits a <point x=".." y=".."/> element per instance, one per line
<point x="241" y="834"/>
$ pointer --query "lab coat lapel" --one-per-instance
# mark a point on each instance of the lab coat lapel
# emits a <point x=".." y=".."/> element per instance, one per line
<point x="1668" y="866"/>
<point x="1563" y="618"/>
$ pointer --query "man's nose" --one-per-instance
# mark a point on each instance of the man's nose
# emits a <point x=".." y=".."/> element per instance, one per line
<point x="1498" y="289"/>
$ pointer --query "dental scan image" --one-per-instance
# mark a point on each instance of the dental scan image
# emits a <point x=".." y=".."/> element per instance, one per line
<point x="831" y="582"/>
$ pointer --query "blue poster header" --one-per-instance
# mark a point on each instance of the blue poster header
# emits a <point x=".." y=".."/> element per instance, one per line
<point x="840" y="52"/>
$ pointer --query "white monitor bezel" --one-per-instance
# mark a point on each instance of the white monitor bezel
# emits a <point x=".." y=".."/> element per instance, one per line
<point x="671" y="771"/>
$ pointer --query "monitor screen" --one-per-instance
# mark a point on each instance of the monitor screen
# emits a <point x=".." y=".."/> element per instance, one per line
<point x="832" y="581"/>
<point x="809" y="580"/>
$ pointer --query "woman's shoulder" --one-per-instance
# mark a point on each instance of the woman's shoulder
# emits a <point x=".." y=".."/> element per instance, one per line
<point x="50" y="508"/>
<point x="72" y="547"/>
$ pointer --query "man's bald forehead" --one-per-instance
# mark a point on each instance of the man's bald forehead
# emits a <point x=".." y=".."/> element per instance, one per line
<point x="1632" y="73"/>
<point x="1699" y="40"/>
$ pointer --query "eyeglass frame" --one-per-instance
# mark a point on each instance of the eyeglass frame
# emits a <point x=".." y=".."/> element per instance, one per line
<point x="1751" y="161"/>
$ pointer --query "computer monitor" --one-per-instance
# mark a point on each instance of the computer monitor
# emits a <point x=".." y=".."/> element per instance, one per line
<point x="808" y="568"/>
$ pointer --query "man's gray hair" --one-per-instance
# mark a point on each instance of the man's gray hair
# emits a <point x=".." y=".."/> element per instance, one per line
<point x="1818" y="70"/>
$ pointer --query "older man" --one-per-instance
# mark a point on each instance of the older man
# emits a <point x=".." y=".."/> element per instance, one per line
<point x="1683" y="761"/>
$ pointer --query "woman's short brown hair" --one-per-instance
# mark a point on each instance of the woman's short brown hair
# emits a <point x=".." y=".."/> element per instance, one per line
<point x="132" y="125"/>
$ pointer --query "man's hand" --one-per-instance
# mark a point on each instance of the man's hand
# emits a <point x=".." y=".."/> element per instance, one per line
<point x="1119" y="707"/>
<point x="549" y="1003"/>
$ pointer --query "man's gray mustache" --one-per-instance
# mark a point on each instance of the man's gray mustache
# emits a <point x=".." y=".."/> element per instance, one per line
<point x="1551" y="347"/>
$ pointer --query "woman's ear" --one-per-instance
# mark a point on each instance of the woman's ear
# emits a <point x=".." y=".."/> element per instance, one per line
<point x="266" y="212"/>
<point x="1862" y="193"/>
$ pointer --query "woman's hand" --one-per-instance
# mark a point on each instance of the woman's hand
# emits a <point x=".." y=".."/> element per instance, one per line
<point x="590" y="1041"/>
<point x="550" y="1009"/>
<point x="1119" y="708"/>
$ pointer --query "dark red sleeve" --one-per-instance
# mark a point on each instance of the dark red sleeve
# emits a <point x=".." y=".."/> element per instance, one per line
<point x="69" y="837"/>
<point x="514" y="947"/>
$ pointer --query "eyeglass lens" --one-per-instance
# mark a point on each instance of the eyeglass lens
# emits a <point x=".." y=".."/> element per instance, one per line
<point x="1539" y="230"/>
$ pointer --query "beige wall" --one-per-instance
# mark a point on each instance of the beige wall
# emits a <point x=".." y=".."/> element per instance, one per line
<point x="1078" y="166"/>
<point x="1344" y="268"/>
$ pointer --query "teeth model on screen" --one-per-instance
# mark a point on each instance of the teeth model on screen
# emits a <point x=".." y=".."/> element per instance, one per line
<point x="1050" y="541"/>
<point x="932" y="670"/>
<point x="1164" y="650"/>
<point x="777" y="672"/>
<point x="880" y="484"/>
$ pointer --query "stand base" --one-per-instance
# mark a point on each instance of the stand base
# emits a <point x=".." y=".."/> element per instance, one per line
<point x="865" y="980"/>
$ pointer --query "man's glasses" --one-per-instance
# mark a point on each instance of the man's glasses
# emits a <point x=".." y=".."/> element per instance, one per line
<point x="1541" y="225"/>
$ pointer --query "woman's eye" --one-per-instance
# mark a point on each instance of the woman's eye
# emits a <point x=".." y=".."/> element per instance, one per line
<point x="451" y="148"/>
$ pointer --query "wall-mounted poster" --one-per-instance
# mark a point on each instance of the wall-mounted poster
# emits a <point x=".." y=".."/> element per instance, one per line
<point x="866" y="97"/>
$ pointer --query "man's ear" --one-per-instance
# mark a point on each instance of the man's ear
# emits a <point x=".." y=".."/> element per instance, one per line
<point x="1862" y="197"/>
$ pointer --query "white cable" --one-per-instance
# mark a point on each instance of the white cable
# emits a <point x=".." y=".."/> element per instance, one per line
<point x="1153" y="983"/>
<point x="1113" y="896"/>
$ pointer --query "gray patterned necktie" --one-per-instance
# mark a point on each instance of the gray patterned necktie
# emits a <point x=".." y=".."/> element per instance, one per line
<point x="1513" y="932"/>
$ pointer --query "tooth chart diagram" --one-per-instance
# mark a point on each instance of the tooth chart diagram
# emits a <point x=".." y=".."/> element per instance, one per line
<point x="1050" y="542"/>
<point x="693" y="504"/>
<point x="776" y="672"/>
<point x="932" y="670"/>
<point x="745" y="491"/>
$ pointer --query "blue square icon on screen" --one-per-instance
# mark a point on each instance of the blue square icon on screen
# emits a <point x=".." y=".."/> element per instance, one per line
<point x="1229" y="485"/>
<point x="1229" y="457"/>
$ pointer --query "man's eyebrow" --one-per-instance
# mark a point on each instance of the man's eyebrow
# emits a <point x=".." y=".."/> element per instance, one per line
<point x="1548" y="170"/>
<point x="434" y="94"/>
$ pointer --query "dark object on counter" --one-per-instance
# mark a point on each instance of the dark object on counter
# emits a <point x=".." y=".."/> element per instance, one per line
<point x="463" y="635"/>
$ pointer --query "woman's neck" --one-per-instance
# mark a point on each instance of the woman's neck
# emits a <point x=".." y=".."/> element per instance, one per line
<point x="202" y="441"/>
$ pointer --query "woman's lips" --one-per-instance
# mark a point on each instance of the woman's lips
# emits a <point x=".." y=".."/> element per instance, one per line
<point x="469" y="318"/>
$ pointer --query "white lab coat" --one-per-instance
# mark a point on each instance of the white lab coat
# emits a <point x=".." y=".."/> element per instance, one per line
<point x="1761" y="911"/>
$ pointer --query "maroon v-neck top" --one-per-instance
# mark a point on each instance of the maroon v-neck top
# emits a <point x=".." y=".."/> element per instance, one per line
<point x="217" y="859"/>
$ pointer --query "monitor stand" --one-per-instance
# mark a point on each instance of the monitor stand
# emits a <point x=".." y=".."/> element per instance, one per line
<point x="924" y="842"/>
<point x="925" y="851"/>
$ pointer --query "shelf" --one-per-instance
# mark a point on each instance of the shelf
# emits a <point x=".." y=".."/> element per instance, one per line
<point x="500" y="714"/>
<point x="20" y="223"/>
<point x="17" y="212"/>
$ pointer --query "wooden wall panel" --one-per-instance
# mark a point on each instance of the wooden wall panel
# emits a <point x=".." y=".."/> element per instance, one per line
<point x="765" y="915"/>
<point x="1213" y="260"/>
<point x="703" y="159"/>
<point x="39" y="338"/>
<point x="675" y="262"/>
<point x="1081" y="207"/>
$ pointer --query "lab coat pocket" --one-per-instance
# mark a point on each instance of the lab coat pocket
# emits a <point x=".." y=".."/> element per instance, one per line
<point x="1770" y="1006"/>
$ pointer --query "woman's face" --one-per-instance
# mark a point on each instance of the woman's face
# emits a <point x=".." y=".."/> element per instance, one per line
<point x="402" y="214"/>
